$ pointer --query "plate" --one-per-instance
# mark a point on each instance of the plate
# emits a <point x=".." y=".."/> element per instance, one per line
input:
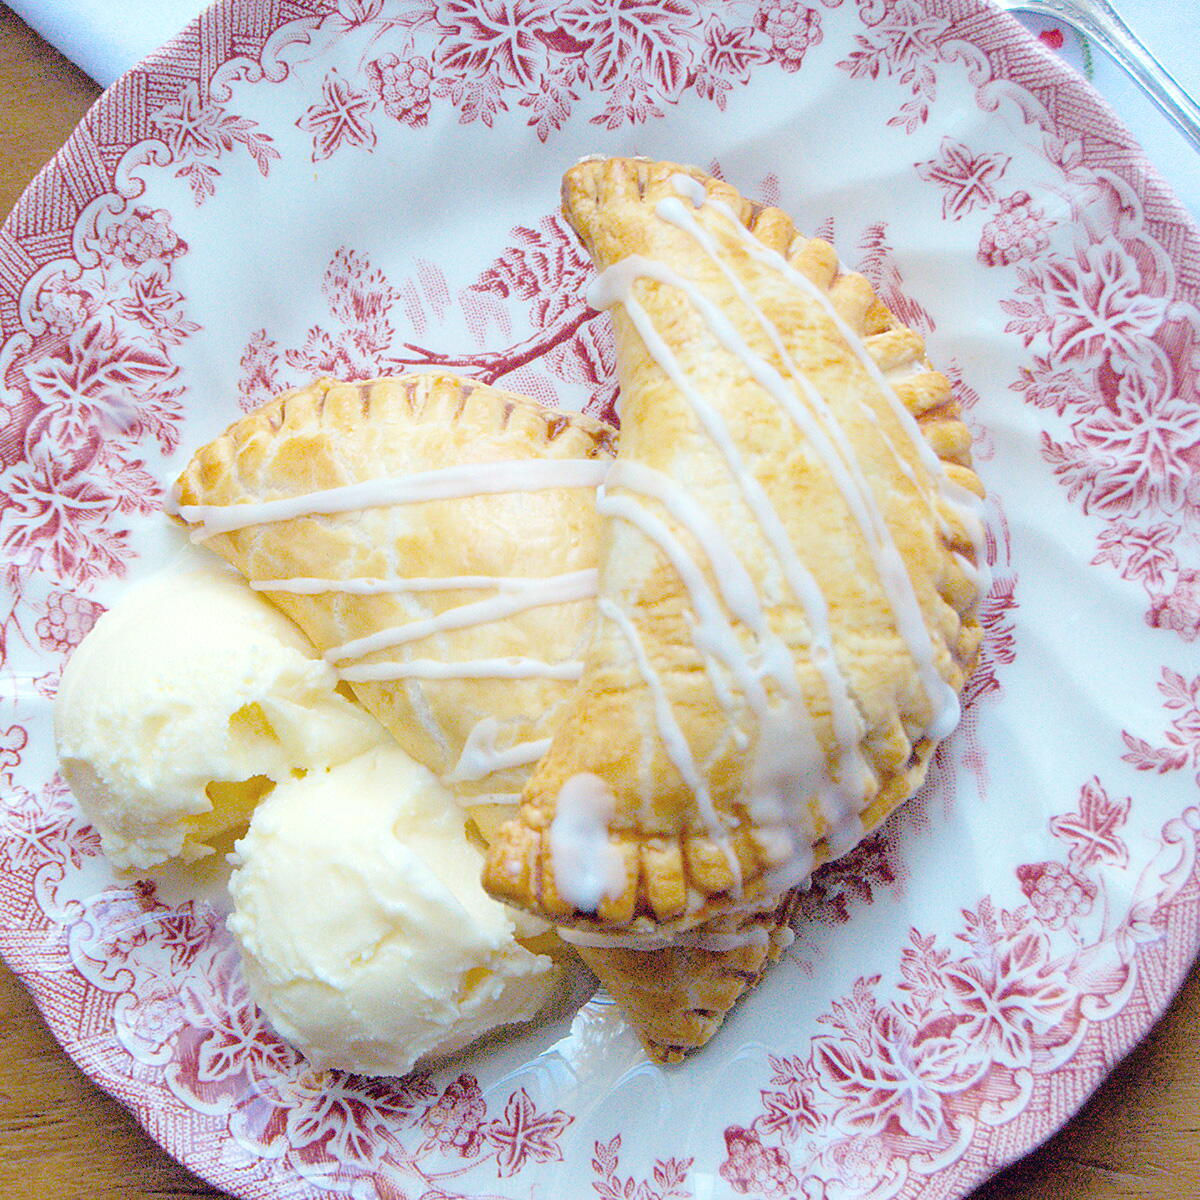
<point x="291" y="189"/>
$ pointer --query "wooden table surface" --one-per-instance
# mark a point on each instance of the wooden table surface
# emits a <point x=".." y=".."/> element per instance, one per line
<point x="61" y="1138"/>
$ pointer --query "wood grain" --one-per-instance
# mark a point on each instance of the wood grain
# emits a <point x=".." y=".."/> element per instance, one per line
<point x="61" y="1138"/>
<point x="43" y="98"/>
<point x="1138" y="1138"/>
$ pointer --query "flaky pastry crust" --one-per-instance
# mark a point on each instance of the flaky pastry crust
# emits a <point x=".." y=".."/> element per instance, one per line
<point x="332" y="434"/>
<point x="662" y="717"/>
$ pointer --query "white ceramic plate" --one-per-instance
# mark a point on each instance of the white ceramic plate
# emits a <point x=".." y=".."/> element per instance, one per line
<point x="308" y="187"/>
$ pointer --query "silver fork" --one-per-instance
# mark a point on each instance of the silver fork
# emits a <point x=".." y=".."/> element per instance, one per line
<point x="1097" y="20"/>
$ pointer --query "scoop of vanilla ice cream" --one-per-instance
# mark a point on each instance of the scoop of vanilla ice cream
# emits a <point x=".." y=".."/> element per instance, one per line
<point x="366" y="937"/>
<point x="185" y="704"/>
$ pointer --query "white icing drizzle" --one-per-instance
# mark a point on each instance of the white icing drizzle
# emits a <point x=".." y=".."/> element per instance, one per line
<point x="725" y="694"/>
<point x="313" y="585"/>
<point x="764" y="254"/>
<point x="588" y="868"/>
<point x="557" y="589"/>
<point x="721" y="943"/>
<point x="844" y="831"/>
<point x="980" y="575"/>
<point x="618" y="941"/>
<point x="444" y="483"/>
<point x="837" y="455"/>
<point x="975" y="528"/>
<point x="788" y="763"/>
<point x="415" y="692"/>
<point x="785" y="762"/>
<point x="734" y="583"/>
<point x="958" y="498"/>
<point x="470" y="668"/>
<point x="614" y="285"/>
<point x="693" y="189"/>
<point x="481" y="756"/>
<point x="713" y="633"/>
<point x="700" y="938"/>
<point x="511" y="798"/>
<point x="898" y="374"/>
<point x="673" y="739"/>
<point x="962" y="501"/>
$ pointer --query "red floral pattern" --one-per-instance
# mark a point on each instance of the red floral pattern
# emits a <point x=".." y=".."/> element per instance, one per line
<point x="525" y="1135"/>
<point x="856" y="876"/>
<point x="196" y="130"/>
<point x="402" y="86"/>
<point x="225" y="1045"/>
<point x="340" y="119"/>
<point x="67" y="620"/>
<point x="96" y="381"/>
<point x="750" y="1166"/>
<point x="967" y="180"/>
<point x="903" y="39"/>
<point x="1019" y="230"/>
<point x="40" y="830"/>
<point x="964" y="1032"/>
<point x="937" y="1068"/>
<point x="489" y="58"/>
<point x="1182" y="749"/>
<point x="1105" y="328"/>
<point x="668" y="1180"/>
<point x="792" y="28"/>
<point x="456" y="1120"/>
<point x="543" y="269"/>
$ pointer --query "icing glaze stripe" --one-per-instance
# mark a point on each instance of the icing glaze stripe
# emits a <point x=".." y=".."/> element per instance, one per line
<point x="958" y="497"/>
<point x="313" y="586"/>
<point x="614" y="285"/>
<point x="733" y="581"/>
<point x="673" y="739"/>
<point x="481" y="756"/>
<point x="839" y="459"/>
<point x="696" y="193"/>
<point x="559" y="589"/>
<point x="713" y="633"/>
<point x="962" y="501"/>
<point x="470" y="668"/>
<point x="699" y="938"/>
<point x="587" y="866"/>
<point x="444" y="483"/>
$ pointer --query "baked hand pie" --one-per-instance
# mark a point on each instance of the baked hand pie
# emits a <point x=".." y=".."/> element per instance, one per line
<point x="320" y="498"/>
<point x="437" y="541"/>
<point x="677" y="992"/>
<point x="790" y="567"/>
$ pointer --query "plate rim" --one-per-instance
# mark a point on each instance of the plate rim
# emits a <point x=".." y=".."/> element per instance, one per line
<point x="1040" y="63"/>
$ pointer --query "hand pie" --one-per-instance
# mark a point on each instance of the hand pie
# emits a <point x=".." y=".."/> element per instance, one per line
<point x="476" y="711"/>
<point x="435" y="539"/>
<point x="789" y="571"/>
<point x="677" y="994"/>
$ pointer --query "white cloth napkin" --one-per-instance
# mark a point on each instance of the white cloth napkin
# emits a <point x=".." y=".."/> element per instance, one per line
<point x="106" y="37"/>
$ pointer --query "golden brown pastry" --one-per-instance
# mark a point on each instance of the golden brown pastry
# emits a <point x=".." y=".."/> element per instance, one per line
<point x="789" y="570"/>
<point x="480" y="730"/>
<point x="677" y="995"/>
<point x="457" y="621"/>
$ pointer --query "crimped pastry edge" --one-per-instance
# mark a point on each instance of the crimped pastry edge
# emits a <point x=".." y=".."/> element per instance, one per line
<point x="517" y="867"/>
